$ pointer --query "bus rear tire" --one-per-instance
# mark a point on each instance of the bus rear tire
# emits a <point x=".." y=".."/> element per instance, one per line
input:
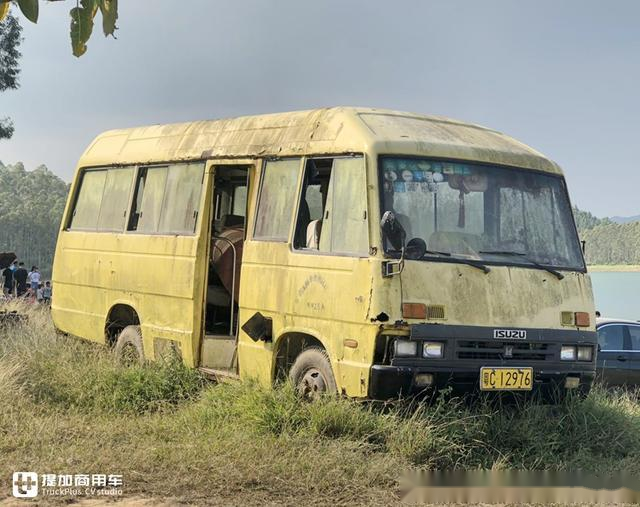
<point x="128" y="347"/>
<point x="311" y="374"/>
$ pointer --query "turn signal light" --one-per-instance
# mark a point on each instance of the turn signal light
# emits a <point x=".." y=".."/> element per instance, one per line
<point x="583" y="319"/>
<point x="414" y="310"/>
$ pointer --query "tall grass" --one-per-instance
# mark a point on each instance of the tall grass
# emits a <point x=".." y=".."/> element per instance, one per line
<point x="67" y="407"/>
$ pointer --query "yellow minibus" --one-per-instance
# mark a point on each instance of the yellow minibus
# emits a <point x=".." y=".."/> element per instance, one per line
<point x="366" y="252"/>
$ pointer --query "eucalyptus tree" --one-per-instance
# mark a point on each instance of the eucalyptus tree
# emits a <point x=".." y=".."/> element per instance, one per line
<point x="10" y="38"/>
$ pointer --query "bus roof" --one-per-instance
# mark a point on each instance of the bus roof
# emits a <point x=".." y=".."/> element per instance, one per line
<point x="319" y="131"/>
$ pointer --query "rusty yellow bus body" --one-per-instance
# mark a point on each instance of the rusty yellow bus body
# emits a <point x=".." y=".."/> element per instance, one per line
<point x="352" y="305"/>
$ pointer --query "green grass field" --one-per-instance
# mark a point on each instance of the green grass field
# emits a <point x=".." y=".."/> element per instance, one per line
<point x="67" y="407"/>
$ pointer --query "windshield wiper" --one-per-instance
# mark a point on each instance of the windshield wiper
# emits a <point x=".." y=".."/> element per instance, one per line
<point x="555" y="273"/>
<point x="475" y="264"/>
<point x="469" y="262"/>
<point x="435" y="252"/>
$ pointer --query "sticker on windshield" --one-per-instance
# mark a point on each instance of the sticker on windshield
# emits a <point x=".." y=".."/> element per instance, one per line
<point x="390" y="176"/>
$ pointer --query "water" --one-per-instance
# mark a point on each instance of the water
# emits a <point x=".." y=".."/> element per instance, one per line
<point x="617" y="294"/>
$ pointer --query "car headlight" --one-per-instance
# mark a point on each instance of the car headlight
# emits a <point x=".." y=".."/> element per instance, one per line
<point x="568" y="353"/>
<point x="585" y="353"/>
<point x="432" y="349"/>
<point x="405" y="348"/>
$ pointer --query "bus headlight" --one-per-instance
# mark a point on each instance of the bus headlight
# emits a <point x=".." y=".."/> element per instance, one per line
<point x="405" y="348"/>
<point x="585" y="353"/>
<point x="432" y="349"/>
<point x="568" y="353"/>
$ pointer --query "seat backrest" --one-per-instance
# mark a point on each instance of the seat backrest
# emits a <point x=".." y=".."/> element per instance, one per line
<point x="313" y="234"/>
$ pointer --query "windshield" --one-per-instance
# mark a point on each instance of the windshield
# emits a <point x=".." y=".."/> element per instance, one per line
<point x="472" y="211"/>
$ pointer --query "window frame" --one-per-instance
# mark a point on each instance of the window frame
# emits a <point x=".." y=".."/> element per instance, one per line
<point x="310" y="251"/>
<point x="265" y="161"/>
<point x="137" y="167"/>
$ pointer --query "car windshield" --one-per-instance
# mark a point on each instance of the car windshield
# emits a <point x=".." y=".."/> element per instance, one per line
<point x="491" y="214"/>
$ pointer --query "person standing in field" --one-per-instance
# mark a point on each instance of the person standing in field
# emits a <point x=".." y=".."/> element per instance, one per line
<point x="28" y="293"/>
<point x="46" y="293"/>
<point x="34" y="280"/>
<point x="20" y="277"/>
<point x="7" y="286"/>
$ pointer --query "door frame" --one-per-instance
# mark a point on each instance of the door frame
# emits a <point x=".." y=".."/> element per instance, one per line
<point x="206" y="231"/>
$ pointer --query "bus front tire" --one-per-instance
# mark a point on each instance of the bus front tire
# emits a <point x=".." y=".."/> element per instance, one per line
<point x="311" y="374"/>
<point x="128" y="347"/>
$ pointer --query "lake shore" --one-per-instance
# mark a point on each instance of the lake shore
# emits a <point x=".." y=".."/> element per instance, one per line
<point x="628" y="268"/>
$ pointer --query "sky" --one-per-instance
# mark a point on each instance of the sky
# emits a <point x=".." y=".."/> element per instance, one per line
<point x="559" y="76"/>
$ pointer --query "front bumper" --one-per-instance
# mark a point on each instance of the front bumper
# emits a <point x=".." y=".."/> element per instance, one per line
<point x="469" y="348"/>
<point x="387" y="382"/>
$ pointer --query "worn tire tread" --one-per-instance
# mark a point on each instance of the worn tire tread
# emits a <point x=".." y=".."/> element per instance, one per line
<point x="130" y="335"/>
<point x="314" y="357"/>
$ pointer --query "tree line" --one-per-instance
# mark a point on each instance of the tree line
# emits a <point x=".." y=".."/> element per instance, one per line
<point x="31" y="207"/>
<point x="607" y="242"/>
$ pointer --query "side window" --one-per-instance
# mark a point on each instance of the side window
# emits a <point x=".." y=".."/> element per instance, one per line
<point x="634" y="335"/>
<point x="115" y="199"/>
<point x="333" y="209"/>
<point x="315" y="190"/>
<point x="239" y="200"/>
<point x="88" y="200"/>
<point x="145" y="216"/>
<point x="278" y="192"/>
<point x="181" y="202"/>
<point x="611" y="337"/>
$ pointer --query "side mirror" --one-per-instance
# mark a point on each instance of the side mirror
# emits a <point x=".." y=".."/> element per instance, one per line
<point x="392" y="230"/>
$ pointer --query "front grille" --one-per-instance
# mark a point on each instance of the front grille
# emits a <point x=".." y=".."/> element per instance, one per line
<point x="507" y="351"/>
